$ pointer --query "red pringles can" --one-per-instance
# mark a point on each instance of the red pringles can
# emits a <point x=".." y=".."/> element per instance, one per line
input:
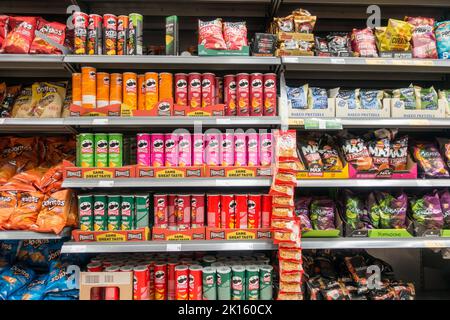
<point x="219" y="90"/>
<point x="181" y="282"/>
<point x="96" y="293"/>
<point x="160" y="282"/>
<point x="208" y="89"/>
<point x="171" y="279"/>
<point x="171" y="208"/>
<point x="227" y="211"/>
<point x="109" y="34"/>
<point x="270" y="94"/>
<point x="229" y="94"/>
<point x="195" y="282"/>
<point x="94" y="34"/>
<point x="256" y="94"/>
<point x="195" y="90"/>
<point x="112" y="293"/>
<point x="151" y="280"/>
<point x="197" y="210"/>
<point x="241" y="211"/>
<point x="141" y="276"/>
<point x="161" y="210"/>
<point x="254" y="211"/>
<point x="213" y="216"/>
<point x="266" y="210"/>
<point x="181" y="89"/>
<point x="243" y="94"/>
<point x="80" y="23"/>
<point x="183" y="211"/>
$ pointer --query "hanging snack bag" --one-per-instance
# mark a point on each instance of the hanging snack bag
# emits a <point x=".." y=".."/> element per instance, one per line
<point x="356" y="153"/>
<point x="442" y="31"/>
<point x="427" y="211"/>
<point x="317" y="98"/>
<point x="427" y="98"/>
<point x="423" y="38"/>
<point x="371" y="99"/>
<point x="310" y="152"/>
<point x="429" y="160"/>
<point x="399" y="154"/>
<point x="298" y="97"/>
<point x="397" y="36"/>
<point x="363" y="43"/>
<point x="322" y="214"/>
<point x="235" y="35"/>
<point x="286" y="145"/>
<point x="20" y="36"/>
<point x="55" y="31"/>
<point x="210" y="34"/>
<point x="339" y="44"/>
<point x="407" y="96"/>
<point x="4" y="20"/>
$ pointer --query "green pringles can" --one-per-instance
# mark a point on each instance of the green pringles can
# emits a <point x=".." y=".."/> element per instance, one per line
<point x="238" y="283"/>
<point x="100" y="213"/>
<point x="127" y="212"/>
<point x="265" y="282"/>
<point x="86" y="212"/>
<point x="209" y="283"/>
<point x="86" y="145"/>
<point x="135" y="34"/>
<point x="115" y="151"/>
<point x="101" y="150"/>
<point x="252" y="281"/>
<point x="114" y="216"/>
<point x="208" y="260"/>
<point x="224" y="283"/>
<point x="78" y="151"/>
<point x="142" y="210"/>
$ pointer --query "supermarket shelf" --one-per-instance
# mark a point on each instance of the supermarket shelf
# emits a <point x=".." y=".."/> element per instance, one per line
<point x="362" y="123"/>
<point x="355" y="64"/>
<point x="373" y="183"/>
<point x="167" y="246"/>
<point x="20" y="65"/>
<point x="167" y="183"/>
<point x="140" y="122"/>
<point x="174" y="62"/>
<point x="25" y="235"/>
<point x="430" y="3"/>
<point x="373" y="243"/>
<point x="15" y="125"/>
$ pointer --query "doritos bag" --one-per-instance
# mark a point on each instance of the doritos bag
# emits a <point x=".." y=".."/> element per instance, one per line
<point x="7" y="171"/>
<point x="21" y="146"/>
<point x="51" y="180"/>
<point x="8" y="203"/>
<point x="54" y="31"/>
<point x="21" y="35"/>
<point x="55" y="212"/>
<point x="35" y="290"/>
<point x="3" y="28"/>
<point x="13" y="279"/>
<point x="28" y="207"/>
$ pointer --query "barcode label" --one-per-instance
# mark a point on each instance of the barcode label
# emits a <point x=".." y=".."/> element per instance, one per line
<point x="100" y="121"/>
<point x="2" y="121"/>
<point x="109" y="278"/>
<point x="91" y="279"/>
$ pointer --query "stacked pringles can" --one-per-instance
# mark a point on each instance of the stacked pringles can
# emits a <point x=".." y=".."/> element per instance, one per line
<point x="243" y="94"/>
<point x="233" y="148"/>
<point x="115" y="212"/>
<point x="186" y="211"/>
<point x="99" y="150"/>
<point x="108" y="34"/>
<point x="189" y="276"/>
<point x="92" y="89"/>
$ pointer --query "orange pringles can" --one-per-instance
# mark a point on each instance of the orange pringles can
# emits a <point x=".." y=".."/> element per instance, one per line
<point x="130" y="92"/>
<point x="165" y="86"/>
<point x="115" y="88"/>
<point x="141" y="91"/>
<point x="102" y="89"/>
<point x="151" y="90"/>
<point x="88" y="87"/>
<point x="76" y="89"/>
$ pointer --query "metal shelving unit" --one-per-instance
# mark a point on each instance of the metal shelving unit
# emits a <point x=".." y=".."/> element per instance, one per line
<point x="25" y="235"/>
<point x="41" y="65"/>
<point x="166" y="183"/>
<point x="365" y="123"/>
<point x="373" y="183"/>
<point x="56" y="125"/>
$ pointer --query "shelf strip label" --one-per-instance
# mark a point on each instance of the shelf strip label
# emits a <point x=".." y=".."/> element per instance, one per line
<point x="173" y="247"/>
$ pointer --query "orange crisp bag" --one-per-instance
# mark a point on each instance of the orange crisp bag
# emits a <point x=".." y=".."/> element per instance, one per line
<point x="72" y="219"/>
<point x="51" y="181"/>
<point x="25" y="214"/>
<point x="8" y="203"/>
<point x="54" y="213"/>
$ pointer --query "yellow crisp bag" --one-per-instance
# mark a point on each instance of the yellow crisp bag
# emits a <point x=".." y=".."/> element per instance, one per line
<point x="397" y="36"/>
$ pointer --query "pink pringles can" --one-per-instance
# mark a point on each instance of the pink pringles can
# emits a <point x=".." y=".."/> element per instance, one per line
<point x="266" y="148"/>
<point x="157" y="150"/>
<point x="240" y="149"/>
<point x="253" y="149"/>
<point x="198" y="149"/>
<point x="171" y="149"/>
<point x="184" y="150"/>
<point x="143" y="154"/>
<point x="197" y="210"/>
<point x="227" y="149"/>
<point x="212" y="149"/>
<point x="171" y="206"/>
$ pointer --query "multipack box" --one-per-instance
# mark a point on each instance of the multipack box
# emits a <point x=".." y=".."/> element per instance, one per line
<point x="120" y="282"/>
<point x="398" y="110"/>
<point x="142" y="234"/>
<point x="329" y="112"/>
<point x="343" y="110"/>
<point x="238" y="234"/>
<point x="173" y="235"/>
<point x="169" y="172"/>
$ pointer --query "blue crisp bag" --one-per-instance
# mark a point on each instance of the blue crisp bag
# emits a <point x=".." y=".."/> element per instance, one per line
<point x="65" y="295"/>
<point x="34" y="253"/>
<point x="13" y="279"/>
<point x="59" y="280"/>
<point x="442" y="31"/>
<point x="9" y="250"/>
<point x="35" y="290"/>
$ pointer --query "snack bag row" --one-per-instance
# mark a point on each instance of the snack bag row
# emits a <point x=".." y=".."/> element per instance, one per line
<point x="220" y="35"/>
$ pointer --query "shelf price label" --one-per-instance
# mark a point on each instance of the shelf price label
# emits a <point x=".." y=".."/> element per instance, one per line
<point x="77" y="249"/>
<point x="223" y="121"/>
<point x="337" y="60"/>
<point x="105" y="184"/>
<point x="101" y="121"/>
<point x="323" y="124"/>
<point x="296" y="122"/>
<point x="434" y="244"/>
<point x="173" y="247"/>
<point x="2" y="120"/>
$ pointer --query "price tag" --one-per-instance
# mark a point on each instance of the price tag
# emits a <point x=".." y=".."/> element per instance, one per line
<point x="105" y="184"/>
<point x="419" y="122"/>
<point x="223" y="121"/>
<point x="338" y="60"/>
<point x="222" y="183"/>
<point x="250" y="246"/>
<point x="101" y="121"/>
<point x="402" y="62"/>
<point x="296" y="122"/>
<point x="434" y="244"/>
<point x="77" y="249"/>
<point x="376" y="61"/>
<point x="419" y="62"/>
<point x="2" y="120"/>
<point x="173" y="247"/>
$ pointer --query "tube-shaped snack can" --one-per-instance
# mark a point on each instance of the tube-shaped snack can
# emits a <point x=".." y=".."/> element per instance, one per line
<point x="266" y="148"/>
<point x="184" y="149"/>
<point x="143" y="149"/>
<point x="240" y="149"/>
<point x="212" y="149"/>
<point x="171" y="149"/>
<point x="157" y="149"/>
<point x="227" y="149"/>
<point x="253" y="149"/>
<point x="256" y="94"/>
<point x="270" y="94"/>
<point x="198" y="149"/>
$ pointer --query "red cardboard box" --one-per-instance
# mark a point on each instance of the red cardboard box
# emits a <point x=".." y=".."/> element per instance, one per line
<point x="142" y="234"/>
<point x="238" y="234"/>
<point x="99" y="173"/>
<point x="238" y="172"/>
<point x="190" y="234"/>
<point x="169" y="172"/>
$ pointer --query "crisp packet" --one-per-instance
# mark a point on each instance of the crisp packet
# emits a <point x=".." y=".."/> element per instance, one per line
<point x="442" y="31"/>
<point x="427" y="211"/>
<point x="371" y="99"/>
<point x="339" y="44"/>
<point x="363" y="43"/>
<point x="444" y="198"/>
<point x="429" y="160"/>
<point x="35" y="290"/>
<point x="423" y="38"/>
<point x="14" y="278"/>
<point x="348" y="97"/>
<point x="397" y="36"/>
<point x="302" y="211"/>
<point x="317" y="98"/>
<point x="310" y="151"/>
<point x="399" y="154"/>
<point x="427" y="98"/>
<point x="322" y="214"/>
<point x="356" y="153"/>
<point x="407" y="96"/>
<point x="298" y="97"/>
<point x="380" y="150"/>
<point x="290" y="254"/>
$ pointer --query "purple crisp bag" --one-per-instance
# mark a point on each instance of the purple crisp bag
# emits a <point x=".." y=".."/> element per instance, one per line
<point x="302" y="211"/>
<point x="322" y="214"/>
<point x="445" y="206"/>
<point x="427" y="211"/>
